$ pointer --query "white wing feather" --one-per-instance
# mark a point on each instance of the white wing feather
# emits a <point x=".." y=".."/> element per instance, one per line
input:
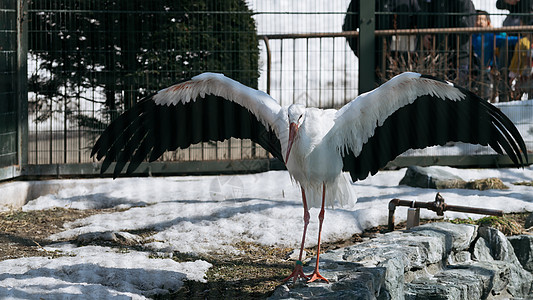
<point x="356" y="122"/>
<point x="264" y="107"/>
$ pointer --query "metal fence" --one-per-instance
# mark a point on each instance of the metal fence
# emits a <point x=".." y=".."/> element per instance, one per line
<point x="13" y="110"/>
<point x="8" y="63"/>
<point x="90" y="60"/>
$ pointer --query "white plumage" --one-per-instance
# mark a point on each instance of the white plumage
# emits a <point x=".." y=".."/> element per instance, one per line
<point x="356" y="121"/>
<point x="326" y="134"/>
<point x="316" y="145"/>
<point x="257" y="102"/>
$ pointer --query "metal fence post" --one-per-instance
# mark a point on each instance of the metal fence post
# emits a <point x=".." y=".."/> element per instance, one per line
<point x="269" y="61"/>
<point x="130" y="94"/>
<point x="367" y="26"/>
<point x="22" y="83"/>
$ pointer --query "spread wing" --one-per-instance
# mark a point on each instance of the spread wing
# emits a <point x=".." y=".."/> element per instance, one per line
<point x="209" y="107"/>
<point x="412" y="111"/>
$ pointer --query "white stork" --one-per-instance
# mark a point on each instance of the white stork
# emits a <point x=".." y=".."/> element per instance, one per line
<point x="409" y="111"/>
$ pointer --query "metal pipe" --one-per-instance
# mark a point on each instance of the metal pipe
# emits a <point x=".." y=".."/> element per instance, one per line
<point x="527" y="28"/>
<point x="438" y="206"/>
<point x="383" y="32"/>
<point x="269" y="61"/>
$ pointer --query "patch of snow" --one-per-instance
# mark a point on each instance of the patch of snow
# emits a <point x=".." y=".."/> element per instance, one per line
<point x="94" y="272"/>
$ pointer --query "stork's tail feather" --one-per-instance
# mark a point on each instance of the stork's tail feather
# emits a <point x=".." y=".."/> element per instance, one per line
<point x="338" y="192"/>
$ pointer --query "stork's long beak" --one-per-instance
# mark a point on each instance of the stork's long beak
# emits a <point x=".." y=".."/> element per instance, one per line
<point x="293" y="130"/>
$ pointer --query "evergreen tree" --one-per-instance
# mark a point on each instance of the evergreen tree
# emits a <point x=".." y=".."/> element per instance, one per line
<point x="127" y="49"/>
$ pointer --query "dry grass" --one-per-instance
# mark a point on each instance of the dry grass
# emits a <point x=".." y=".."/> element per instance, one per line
<point x="480" y="184"/>
<point x="254" y="274"/>
<point x="508" y="224"/>
<point x="24" y="234"/>
<point x="486" y="184"/>
<point x="429" y="63"/>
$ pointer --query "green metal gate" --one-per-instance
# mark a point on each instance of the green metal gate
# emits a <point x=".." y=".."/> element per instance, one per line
<point x="13" y="91"/>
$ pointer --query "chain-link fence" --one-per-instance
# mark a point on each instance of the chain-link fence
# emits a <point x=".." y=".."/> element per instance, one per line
<point x="90" y="60"/>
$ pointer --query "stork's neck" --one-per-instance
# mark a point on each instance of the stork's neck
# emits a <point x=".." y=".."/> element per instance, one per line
<point x="316" y="125"/>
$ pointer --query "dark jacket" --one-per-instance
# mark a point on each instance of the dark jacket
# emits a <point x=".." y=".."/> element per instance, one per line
<point x="390" y="14"/>
<point x="522" y="7"/>
<point x="448" y="14"/>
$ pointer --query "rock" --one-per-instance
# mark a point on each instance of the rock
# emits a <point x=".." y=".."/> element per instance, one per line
<point x="529" y="221"/>
<point x="481" y="251"/>
<point x="465" y="281"/>
<point x="499" y="246"/>
<point x="351" y="281"/>
<point x="428" y="177"/>
<point x="493" y="245"/>
<point x="457" y="236"/>
<point x="427" y="289"/>
<point x="109" y="236"/>
<point x="460" y="257"/>
<point x="295" y="254"/>
<point x="435" y="178"/>
<point x="432" y="261"/>
<point x="523" y="249"/>
<point x="394" y="278"/>
<point x="495" y="275"/>
<point x="127" y="238"/>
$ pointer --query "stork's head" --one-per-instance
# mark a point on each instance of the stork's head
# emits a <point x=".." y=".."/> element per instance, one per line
<point x="296" y="118"/>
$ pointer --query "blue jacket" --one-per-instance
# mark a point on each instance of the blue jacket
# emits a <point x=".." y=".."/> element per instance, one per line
<point x="485" y="44"/>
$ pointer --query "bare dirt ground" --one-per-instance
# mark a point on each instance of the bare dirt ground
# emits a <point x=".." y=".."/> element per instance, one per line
<point x="252" y="275"/>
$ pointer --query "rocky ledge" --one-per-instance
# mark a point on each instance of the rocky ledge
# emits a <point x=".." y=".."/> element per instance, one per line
<point x="432" y="261"/>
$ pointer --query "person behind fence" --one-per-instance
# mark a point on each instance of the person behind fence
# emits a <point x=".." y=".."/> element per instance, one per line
<point x="515" y="58"/>
<point x="389" y="14"/>
<point x="449" y="14"/>
<point x="520" y="12"/>
<point x="520" y="77"/>
<point x="486" y="48"/>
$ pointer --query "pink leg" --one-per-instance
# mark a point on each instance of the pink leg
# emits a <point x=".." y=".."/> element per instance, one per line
<point x="298" y="268"/>
<point x="316" y="275"/>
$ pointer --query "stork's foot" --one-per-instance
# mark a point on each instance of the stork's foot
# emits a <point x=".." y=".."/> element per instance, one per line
<point x="316" y="276"/>
<point x="298" y="272"/>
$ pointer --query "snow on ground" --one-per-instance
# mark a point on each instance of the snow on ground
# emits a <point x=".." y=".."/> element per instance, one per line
<point x="210" y="213"/>
<point x="202" y="214"/>
<point x="94" y="272"/>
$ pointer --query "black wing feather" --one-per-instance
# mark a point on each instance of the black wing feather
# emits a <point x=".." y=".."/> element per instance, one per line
<point x="431" y="121"/>
<point x="147" y="130"/>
